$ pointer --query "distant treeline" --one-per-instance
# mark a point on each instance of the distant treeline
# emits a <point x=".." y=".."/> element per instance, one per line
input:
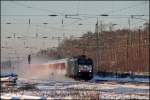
<point x="121" y="50"/>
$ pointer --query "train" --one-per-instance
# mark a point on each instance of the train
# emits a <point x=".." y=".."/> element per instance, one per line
<point x="79" y="67"/>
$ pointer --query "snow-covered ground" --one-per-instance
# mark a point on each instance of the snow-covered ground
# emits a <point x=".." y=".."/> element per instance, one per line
<point x="71" y="89"/>
<point x="38" y="82"/>
<point x="127" y="79"/>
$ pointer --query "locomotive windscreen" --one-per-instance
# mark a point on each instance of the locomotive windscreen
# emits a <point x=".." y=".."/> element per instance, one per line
<point x="89" y="61"/>
<point x="84" y="61"/>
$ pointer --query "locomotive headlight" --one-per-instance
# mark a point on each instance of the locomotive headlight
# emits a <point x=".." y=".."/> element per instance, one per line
<point x="90" y="68"/>
<point x="80" y="67"/>
<point x="85" y="68"/>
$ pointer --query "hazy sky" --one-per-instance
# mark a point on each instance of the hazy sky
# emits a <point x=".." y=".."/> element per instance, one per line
<point x="18" y="14"/>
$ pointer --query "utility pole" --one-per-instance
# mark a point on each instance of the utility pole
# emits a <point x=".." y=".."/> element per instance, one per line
<point x="59" y="39"/>
<point x="87" y="44"/>
<point x="97" y="42"/>
<point x="14" y="35"/>
<point x="101" y="40"/>
<point x="127" y="54"/>
<point x="148" y="35"/>
<point x="6" y="43"/>
<point x="29" y="21"/>
<point x="139" y="47"/>
<point x="63" y="36"/>
<point x="63" y="28"/>
<point x="11" y="67"/>
<point x="101" y="44"/>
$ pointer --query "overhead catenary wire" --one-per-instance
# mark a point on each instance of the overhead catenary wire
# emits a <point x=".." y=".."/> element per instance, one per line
<point x="109" y="12"/>
<point x="83" y="15"/>
<point x="125" y="8"/>
<point x="88" y="16"/>
<point x="36" y="8"/>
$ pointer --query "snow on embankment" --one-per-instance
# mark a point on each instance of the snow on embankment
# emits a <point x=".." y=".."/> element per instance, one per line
<point x="127" y="79"/>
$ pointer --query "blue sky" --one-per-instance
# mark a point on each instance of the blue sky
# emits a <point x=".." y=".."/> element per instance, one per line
<point x="18" y="14"/>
